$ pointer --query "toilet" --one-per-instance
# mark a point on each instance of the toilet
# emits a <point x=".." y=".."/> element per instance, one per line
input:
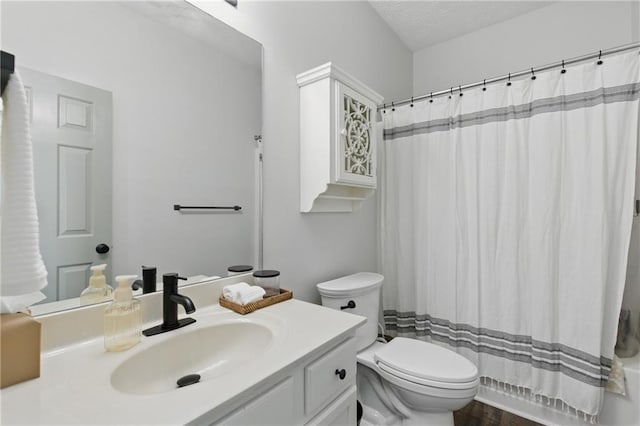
<point x="405" y="381"/>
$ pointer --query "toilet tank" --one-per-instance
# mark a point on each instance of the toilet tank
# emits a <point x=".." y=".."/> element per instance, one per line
<point x="363" y="289"/>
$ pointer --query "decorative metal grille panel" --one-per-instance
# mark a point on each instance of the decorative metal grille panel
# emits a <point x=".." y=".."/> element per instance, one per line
<point x="357" y="148"/>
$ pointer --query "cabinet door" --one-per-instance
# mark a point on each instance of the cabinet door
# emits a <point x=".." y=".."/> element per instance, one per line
<point x="355" y="161"/>
<point x="322" y="378"/>
<point x="274" y="407"/>
<point x="341" y="412"/>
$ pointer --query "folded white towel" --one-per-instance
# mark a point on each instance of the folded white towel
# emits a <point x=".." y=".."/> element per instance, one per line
<point x="232" y="292"/>
<point x="242" y="293"/>
<point x="253" y="294"/>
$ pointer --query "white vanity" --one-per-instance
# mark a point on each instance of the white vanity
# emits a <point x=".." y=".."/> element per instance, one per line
<point x="290" y="363"/>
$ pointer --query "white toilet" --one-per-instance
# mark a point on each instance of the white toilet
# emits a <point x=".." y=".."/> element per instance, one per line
<point x="405" y="381"/>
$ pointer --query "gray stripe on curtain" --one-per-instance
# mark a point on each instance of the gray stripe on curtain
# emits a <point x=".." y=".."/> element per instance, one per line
<point x="607" y="95"/>
<point x="549" y="356"/>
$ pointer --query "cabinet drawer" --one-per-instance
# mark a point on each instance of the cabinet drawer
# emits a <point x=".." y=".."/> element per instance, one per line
<point x="322" y="382"/>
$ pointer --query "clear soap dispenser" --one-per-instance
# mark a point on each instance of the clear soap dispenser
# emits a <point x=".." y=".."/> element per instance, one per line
<point x="97" y="290"/>
<point x="122" y="318"/>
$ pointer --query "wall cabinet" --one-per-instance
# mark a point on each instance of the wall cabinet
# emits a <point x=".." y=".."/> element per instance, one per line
<point x="319" y="390"/>
<point x="337" y="140"/>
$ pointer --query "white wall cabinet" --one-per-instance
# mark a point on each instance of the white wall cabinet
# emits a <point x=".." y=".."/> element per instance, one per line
<point x="319" y="390"/>
<point x="337" y="140"/>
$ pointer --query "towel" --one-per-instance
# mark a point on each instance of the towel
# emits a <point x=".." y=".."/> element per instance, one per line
<point x="254" y="294"/>
<point x="242" y="293"/>
<point x="22" y="270"/>
<point x="232" y="292"/>
<point x="616" y="382"/>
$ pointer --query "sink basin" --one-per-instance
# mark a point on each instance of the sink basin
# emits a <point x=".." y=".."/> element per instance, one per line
<point x="210" y="351"/>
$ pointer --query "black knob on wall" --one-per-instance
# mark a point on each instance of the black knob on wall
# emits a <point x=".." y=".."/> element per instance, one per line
<point x="102" y="248"/>
<point x="341" y="373"/>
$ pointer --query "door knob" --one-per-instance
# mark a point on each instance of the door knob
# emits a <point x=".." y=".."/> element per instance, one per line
<point x="102" y="248"/>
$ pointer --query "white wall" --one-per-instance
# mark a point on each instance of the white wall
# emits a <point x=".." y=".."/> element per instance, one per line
<point x="559" y="31"/>
<point x="184" y="116"/>
<point x="310" y="248"/>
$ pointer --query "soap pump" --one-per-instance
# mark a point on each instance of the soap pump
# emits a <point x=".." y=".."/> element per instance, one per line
<point x="97" y="290"/>
<point x="122" y="318"/>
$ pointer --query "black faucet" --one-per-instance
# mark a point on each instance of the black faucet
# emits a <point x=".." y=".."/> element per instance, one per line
<point x="170" y="300"/>
<point x="148" y="282"/>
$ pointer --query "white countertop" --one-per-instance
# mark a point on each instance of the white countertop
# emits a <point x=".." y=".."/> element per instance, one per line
<point x="75" y="388"/>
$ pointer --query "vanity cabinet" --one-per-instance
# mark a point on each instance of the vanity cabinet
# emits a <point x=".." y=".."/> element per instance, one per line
<point x="337" y="140"/>
<point x="320" y="390"/>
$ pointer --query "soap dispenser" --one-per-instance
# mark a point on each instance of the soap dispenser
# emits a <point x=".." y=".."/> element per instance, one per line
<point x="122" y="318"/>
<point x="97" y="290"/>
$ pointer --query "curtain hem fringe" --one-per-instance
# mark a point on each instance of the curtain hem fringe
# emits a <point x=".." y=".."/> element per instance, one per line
<point x="525" y="393"/>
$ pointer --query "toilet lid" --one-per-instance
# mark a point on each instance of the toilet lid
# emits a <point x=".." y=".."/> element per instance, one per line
<point x="351" y="285"/>
<point x="422" y="360"/>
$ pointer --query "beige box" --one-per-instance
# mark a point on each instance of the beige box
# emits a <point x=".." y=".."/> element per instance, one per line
<point x="19" y="349"/>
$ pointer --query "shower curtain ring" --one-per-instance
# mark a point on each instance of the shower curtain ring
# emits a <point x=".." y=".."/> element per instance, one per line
<point x="460" y="90"/>
<point x="411" y="102"/>
<point x="384" y="108"/>
<point x="509" y="80"/>
<point x="450" y="92"/>
<point x="484" y="85"/>
<point x="599" y="58"/>
<point x="533" y="74"/>
<point x="393" y="108"/>
<point x="431" y="100"/>
<point x="562" y="71"/>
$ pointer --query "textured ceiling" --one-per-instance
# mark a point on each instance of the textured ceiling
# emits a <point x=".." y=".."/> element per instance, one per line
<point x="421" y="24"/>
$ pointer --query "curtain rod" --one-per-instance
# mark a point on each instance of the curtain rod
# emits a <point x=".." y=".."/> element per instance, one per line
<point x="510" y="76"/>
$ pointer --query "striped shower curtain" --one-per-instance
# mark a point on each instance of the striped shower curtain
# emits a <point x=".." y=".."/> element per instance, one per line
<point x="505" y="219"/>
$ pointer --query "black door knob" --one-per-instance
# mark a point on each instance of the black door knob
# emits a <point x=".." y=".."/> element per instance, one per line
<point x="102" y="248"/>
<point x="341" y="373"/>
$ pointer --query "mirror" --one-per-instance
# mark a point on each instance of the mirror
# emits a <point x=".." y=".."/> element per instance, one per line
<point x="136" y="107"/>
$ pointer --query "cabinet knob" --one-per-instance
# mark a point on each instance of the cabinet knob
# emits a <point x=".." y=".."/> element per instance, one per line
<point x="341" y="373"/>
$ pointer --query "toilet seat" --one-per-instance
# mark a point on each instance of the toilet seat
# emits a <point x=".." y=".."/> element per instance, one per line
<point x="426" y="364"/>
<point x="426" y="382"/>
<point x="442" y="391"/>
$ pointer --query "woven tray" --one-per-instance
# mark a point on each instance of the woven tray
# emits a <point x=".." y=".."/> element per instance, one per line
<point x="250" y="307"/>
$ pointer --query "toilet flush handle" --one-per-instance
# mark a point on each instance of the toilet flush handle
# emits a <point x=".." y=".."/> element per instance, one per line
<point x="341" y="373"/>
<point x="350" y="305"/>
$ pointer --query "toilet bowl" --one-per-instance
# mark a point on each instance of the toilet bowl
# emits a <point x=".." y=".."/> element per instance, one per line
<point x="405" y="381"/>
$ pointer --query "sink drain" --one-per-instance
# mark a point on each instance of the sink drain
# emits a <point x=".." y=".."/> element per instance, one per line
<point x="187" y="380"/>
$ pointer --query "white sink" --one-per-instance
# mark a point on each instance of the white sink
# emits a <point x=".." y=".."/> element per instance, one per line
<point x="208" y="350"/>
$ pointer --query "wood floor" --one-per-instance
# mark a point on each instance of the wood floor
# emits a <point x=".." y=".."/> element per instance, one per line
<point x="479" y="414"/>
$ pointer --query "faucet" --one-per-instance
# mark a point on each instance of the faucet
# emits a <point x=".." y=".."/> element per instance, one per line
<point x="170" y="301"/>
<point x="148" y="282"/>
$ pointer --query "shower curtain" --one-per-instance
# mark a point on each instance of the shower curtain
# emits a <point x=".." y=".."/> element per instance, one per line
<point x="505" y="219"/>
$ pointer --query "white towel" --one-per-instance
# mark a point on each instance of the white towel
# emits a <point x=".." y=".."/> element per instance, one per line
<point x="232" y="292"/>
<point x="254" y="294"/>
<point x="22" y="271"/>
<point x="242" y="293"/>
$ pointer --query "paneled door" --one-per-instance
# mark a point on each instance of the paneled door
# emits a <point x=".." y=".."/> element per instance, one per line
<point x="71" y="128"/>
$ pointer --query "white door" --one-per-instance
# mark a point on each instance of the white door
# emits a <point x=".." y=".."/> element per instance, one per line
<point x="71" y="132"/>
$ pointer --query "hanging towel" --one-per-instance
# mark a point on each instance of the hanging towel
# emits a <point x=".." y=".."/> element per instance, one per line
<point x="22" y="271"/>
